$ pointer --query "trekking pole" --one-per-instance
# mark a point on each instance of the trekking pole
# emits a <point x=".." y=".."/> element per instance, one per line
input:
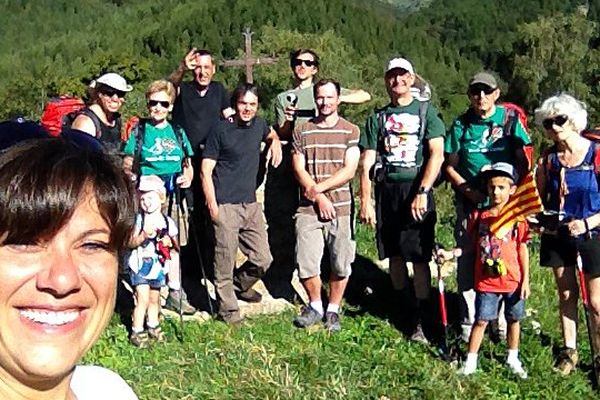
<point x="588" y="322"/>
<point x="172" y="192"/>
<point x="192" y="226"/>
<point x="443" y="349"/>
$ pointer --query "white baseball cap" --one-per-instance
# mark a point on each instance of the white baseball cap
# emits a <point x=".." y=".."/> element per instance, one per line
<point x="400" y="62"/>
<point x="113" y="80"/>
<point x="500" y="169"/>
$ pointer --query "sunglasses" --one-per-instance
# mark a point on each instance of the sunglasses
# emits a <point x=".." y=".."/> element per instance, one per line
<point x="559" y="120"/>
<point x="163" y="104"/>
<point x="475" y="90"/>
<point x="110" y="92"/>
<point x="308" y="63"/>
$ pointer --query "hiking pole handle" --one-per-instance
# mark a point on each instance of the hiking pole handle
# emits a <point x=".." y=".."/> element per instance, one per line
<point x="582" y="286"/>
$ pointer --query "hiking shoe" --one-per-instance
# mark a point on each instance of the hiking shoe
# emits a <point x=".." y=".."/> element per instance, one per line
<point x="156" y="334"/>
<point x="566" y="362"/>
<point x="249" y="296"/>
<point x="418" y="335"/>
<point x="517" y="368"/>
<point x="332" y="322"/>
<point x="231" y="318"/>
<point x="467" y="369"/>
<point x="308" y="317"/>
<point x="172" y="303"/>
<point x="139" y="339"/>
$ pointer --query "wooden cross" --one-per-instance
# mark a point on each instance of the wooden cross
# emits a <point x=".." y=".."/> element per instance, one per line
<point x="249" y="61"/>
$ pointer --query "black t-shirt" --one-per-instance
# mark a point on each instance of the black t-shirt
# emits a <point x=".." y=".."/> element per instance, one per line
<point x="236" y="149"/>
<point x="195" y="113"/>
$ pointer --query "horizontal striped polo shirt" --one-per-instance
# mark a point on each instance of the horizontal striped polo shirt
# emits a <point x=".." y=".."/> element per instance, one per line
<point x="324" y="150"/>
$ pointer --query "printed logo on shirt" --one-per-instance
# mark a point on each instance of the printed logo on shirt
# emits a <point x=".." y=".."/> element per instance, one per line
<point x="401" y="139"/>
<point x="162" y="149"/>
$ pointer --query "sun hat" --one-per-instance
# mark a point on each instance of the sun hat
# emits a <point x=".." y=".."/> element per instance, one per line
<point x="151" y="183"/>
<point x="484" y="78"/>
<point x="499" y="169"/>
<point x="113" y="80"/>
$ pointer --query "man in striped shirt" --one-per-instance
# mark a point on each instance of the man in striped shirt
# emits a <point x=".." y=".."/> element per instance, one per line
<point x="325" y="158"/>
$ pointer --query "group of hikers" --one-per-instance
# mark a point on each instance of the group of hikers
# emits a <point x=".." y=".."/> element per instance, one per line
<point x="200" y="167"/>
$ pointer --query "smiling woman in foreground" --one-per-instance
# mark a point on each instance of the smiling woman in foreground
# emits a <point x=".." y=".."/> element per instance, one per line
<point x="65" y="214"/>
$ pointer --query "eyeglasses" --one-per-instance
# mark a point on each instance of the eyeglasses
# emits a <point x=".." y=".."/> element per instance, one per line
<point x="110" y="92"/>
<point x="163" y="104"/>
<point x="308" y="63"/>
<point x="559" y="120"/>
<point x="475" y="90"/>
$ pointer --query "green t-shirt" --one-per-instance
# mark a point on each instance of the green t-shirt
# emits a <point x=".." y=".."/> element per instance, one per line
<point x="480" y="142"/>
<point x="399" y="143"/>
<point x="161" y="153"/>
<point x="307" y="108"/>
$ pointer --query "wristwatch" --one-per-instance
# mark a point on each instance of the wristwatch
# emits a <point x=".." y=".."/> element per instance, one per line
<point x="423" y="190"/>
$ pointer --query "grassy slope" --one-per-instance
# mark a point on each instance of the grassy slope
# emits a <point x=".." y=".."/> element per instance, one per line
<point x="369" y="359"/>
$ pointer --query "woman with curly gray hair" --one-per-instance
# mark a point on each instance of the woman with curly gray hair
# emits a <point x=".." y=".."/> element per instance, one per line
<point x="568" y="183"/>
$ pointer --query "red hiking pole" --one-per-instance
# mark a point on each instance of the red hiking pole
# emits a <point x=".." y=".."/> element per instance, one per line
<point x="586" y="306"/>
<point x="444" y="349"/>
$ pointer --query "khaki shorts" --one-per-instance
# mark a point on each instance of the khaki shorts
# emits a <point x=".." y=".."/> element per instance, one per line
<point x="311" y="237"/>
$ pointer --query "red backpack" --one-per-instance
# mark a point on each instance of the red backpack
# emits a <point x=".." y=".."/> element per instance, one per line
<point x="60" y="112"/>
<point x="511" y="114"/>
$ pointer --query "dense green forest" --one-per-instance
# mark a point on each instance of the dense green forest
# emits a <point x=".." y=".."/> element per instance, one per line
<point x="537" y="47"/>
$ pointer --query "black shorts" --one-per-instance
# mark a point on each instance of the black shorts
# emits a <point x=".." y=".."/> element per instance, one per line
<point x="398" y="234"/>
<point x="559" y="252"/>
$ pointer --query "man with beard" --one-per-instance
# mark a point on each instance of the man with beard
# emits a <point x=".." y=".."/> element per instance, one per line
<point x="325" y="158"/>
<point x="229" y="169"/>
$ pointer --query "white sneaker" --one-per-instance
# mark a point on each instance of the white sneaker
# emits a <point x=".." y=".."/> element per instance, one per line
<point x="517" y="368"/>
<point x="467" y="369"/>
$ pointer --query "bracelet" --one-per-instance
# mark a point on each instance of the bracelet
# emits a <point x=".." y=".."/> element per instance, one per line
<point x="587" y="227"/>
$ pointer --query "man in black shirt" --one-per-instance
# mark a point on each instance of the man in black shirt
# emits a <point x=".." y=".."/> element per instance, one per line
<point x="228" y="173"/>
<point x="200" y="104"/>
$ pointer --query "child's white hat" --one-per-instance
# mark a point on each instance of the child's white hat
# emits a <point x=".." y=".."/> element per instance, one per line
<point x="151" y="183"/>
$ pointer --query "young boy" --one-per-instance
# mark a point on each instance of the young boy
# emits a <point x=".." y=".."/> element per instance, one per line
<point x="154" y="246"/>
<point x="501" y="269"/>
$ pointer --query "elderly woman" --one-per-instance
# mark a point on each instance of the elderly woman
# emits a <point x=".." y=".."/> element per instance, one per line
<point x="65" y="216"/>
<point x="101" y="118"/>
<point x="567" y="180"/>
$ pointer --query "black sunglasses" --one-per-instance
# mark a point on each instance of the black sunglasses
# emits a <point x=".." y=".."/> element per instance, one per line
<point x="309" y="63"/>
<point x="154" y="103"/>
<point x="110" y="92"/>
<point x="559" y="120"/>
<point x="476" y="89"/>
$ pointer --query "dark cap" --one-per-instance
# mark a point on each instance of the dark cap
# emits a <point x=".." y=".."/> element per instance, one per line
<point x="484" y="78"/>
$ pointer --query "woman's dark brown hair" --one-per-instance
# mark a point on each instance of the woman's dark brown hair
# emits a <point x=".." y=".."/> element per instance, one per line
<point x="43" y="181"/>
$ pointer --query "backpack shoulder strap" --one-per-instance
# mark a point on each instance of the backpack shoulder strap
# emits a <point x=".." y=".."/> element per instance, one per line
<point x="179" y="132"/>
<point x="95" y="119"/>
<point x="138" y="132"/>
<point x="423" y="108"/>
<point x="510" y="121"/>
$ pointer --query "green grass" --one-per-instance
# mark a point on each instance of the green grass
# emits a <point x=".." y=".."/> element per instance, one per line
<point x="370" y="359"/>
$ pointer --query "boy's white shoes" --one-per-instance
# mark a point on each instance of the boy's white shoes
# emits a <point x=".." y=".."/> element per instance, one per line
<point x="467" y="369"/>
<point x="516" y="368"/>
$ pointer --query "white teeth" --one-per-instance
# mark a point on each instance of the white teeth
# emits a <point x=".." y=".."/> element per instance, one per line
<point x="51" y="317"/>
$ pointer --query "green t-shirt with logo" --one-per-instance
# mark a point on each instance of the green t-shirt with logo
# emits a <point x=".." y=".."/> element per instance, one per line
<point x="161" y="152"/>
<point x="399" y="144"/>
<point x="481" y="141"/>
